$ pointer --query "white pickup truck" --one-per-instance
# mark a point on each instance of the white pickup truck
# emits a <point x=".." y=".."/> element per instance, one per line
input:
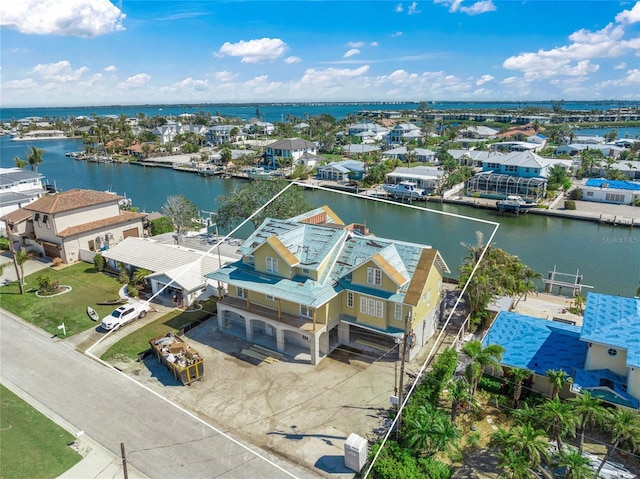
<point x="125" y="314"/>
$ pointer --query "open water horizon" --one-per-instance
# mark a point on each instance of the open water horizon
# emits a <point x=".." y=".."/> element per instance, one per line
<point x="608" y="257"/>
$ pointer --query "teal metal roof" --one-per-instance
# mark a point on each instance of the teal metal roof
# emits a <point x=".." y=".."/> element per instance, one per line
<point x="613" y="321"/>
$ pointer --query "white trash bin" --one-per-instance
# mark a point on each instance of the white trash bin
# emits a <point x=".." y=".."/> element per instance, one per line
<point x="355" y="452"/>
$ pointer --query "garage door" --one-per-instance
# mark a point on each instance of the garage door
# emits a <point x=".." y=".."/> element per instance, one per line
<point x="133" y="232"/>
<point x="51" y="250"/>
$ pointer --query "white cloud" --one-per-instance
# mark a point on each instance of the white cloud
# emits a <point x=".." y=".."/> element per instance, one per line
<point x="292" y="59"/>
<point x="110" y="68"/>
<point x="484" y="79"/>
<point x="350" y="53"/>
<point x="60" y="72"/>
<point x="135" y="81"/>
<point x="413" y="9"/>
<point x="79" y="18"/>
<point x="479" y="8"/>
<point x="396" y="34"/>
<point x="620" y="66"/>
<point x="399" y="8"/>
<point x="373" y="44"/>
<point x="24" y="84"/>
<point x="335" y="76"/>
<point x="585" y="46"/>
<point x="224" y="76"/>
<point x="190" y="83"/>
<point x="255" y="51"/>
<point x="629" y="16"/>
<point x="355" y="44"/>
<point x="510" y="81"/>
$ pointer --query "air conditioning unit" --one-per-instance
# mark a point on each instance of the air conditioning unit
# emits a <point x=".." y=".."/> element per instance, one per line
<point x="109" y="236"/>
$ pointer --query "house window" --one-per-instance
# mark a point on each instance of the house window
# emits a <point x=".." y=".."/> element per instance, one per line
<point x="250" y="259"/>
<point x="350" y="299"/>
<point x="241" y="292"/>
<point x="608" y="197"/>
<point x="589" y="193"/>
<point x="612" y="352"/>
<point x="36" y="218"/>
<point x="306" y="311"/>
<point x="374" y="276"/>
<point x="397" y="313"/>
<point x="371" y="307"/>
<point x="272" y="265"/>
<point x="270" y="297"/>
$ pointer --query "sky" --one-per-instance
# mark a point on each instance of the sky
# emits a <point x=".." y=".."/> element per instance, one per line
<point x="132" y="52"/>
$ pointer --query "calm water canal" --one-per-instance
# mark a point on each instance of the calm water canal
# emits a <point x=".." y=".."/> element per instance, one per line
<point x="607" y="257"/>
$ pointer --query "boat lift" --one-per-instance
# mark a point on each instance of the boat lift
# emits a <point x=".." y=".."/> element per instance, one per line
<point x="576" y="286"/>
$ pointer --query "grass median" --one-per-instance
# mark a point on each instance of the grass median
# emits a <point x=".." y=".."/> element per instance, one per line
<point x="33" y="446"/>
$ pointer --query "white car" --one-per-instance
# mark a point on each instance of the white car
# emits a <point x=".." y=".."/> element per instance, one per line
<point x="125" y="314"/>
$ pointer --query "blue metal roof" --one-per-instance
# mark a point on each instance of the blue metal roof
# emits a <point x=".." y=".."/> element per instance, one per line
<point x="537" y="344"/>
<point x="613" y="321"/>
<point x="614" y="184"/>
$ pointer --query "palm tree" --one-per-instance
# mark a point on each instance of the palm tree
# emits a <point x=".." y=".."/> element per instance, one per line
<point x="532" y="444"/>
<point x="625" y="427"/>
<point x="140" y="275"/>
<point x="34" y="158"/>
<point x="482" y="358"/>
<point x="19" y="162"/>
<point x="558" y="378"/>
<point x="459" y="393"/>
<point x="559" y="420"/>
<point x="518" y="375"/>
<point x="526" y="415"/>
<point x="430" y="431"/>
<point x="515" y="466"/>
<point x="21" y="258"/>
<point x="576" y="465"/>
<point x="590" y="411"/>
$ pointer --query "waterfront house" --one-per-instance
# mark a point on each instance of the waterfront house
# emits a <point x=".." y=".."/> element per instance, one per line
<point x="306" y="285"/>
<point x="73" y="224"/>
<point x="403" y="133"/>
<point x="479" y="132"/>
<point x="358" y="150"/>
<point x="288" y="150"/>
<point x="301" y="127"/>
<point x="402" y="153"/>
<point x="18" y="188"/>
<point x="525" y="164"/>
<point x="368" y="132"/>
<point x="602" y="356"/>
<point x="221" y="134"/>
<point x="425" y="177"/>
<point x="473" y="158"/>
<point x="341" y="171"/>
<point x="509" y="146"/>
<point x="610" y="191"/>
<point x="539" y="140"/>
<point x="174" y="268"/>
<point x="260" y="128"/>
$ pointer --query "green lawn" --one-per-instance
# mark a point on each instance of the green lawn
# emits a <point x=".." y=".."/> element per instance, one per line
<point x="88" y="287"/>
<point x="138" y="341"/>
<point x="33" y="447"/>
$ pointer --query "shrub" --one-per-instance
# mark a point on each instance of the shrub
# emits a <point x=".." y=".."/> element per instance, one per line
<point x="132" y="290"/>
<point x="575" y="194"/>
<point x="98" y="262"/>
<point x="492" y="385"/>
<point x="57" y="261"/>
<point x="569" y="205"/>
<point x="161" y="225"/>
<point x="4" y="243"/>
<point x="46" y="285"/>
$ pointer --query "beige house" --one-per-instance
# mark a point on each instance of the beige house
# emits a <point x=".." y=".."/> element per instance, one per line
<point x="66" y="224"/>
<point x="307" y="285"/>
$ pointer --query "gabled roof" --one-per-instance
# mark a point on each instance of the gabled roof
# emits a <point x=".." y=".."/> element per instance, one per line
<point x="613" y="321"/>
<point x="291" y="144"/>
<point x="344" y="166"/>
<point x="520" y="158"/>
<point x="72" y="200"/>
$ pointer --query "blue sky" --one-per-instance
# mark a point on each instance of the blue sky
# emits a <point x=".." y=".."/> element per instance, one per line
<point x="97" y="52"/>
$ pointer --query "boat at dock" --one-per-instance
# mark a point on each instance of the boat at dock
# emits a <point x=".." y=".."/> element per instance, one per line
<point x="259" y="173"/>
<point x="405" y="189"/>
<point x="514" y="204"/>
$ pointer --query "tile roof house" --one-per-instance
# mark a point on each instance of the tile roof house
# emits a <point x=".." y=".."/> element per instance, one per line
<point x="602" y="356"/>
<point x="308" y="284"/>
<point x="76" y="221"/>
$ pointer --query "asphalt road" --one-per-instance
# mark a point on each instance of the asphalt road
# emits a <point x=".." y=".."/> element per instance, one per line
<point x="161" y="439"/>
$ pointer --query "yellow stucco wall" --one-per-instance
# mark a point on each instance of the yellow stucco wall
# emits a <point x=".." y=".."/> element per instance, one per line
<point x="261" y="254"/>
<point x="599" y="358"/>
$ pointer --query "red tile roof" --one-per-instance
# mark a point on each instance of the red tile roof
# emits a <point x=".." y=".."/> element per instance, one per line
<point x="71" y="200"/>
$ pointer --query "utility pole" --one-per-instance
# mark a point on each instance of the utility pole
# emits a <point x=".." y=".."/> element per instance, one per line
<point x="124" y="461"/>
<point x="405" y="338"/>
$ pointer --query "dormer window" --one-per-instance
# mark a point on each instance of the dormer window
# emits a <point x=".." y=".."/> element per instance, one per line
<point x="374" y="276"/>
<point x="272" y="265"/>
